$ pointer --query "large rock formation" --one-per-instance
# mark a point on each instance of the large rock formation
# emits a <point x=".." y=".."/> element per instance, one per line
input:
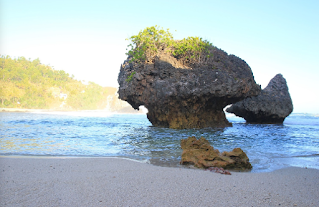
<point x="180" y="95"/>
<point x="199" y="153"/>
<point x="273" y="105"/>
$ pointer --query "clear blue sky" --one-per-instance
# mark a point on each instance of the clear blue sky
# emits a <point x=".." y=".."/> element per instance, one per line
<point x="87" y="38"/>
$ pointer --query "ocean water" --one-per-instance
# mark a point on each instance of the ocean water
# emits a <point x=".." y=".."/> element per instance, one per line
<point x="101" y="134"/>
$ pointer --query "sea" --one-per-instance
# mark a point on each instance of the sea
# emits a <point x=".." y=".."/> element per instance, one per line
<point x="131" y="136"/>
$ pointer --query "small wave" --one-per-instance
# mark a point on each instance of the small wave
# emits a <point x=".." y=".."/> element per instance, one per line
<point x="312" y="155"/>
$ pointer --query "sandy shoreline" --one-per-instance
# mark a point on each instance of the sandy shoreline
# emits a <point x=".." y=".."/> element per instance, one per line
<point x="23" y="110"/>
<point x="33" y="110"/>
<point x="61" y="110"/>
<point x="27" y="181"/>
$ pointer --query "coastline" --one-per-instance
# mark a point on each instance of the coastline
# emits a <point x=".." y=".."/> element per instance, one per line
<point x="31" y="110"/>
<point x="57" y="181"/>
<point x="22" y="110"/>
<point x="62" y="110"/>
<point x="137" y="112"/>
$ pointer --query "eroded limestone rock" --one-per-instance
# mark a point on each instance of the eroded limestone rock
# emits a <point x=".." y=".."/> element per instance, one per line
<point x="271" y="106"/>
<point x="181" y="95"/>
<point x="199" y="153"/>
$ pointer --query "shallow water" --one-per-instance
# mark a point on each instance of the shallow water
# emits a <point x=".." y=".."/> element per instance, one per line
<point x="98" y="133"/>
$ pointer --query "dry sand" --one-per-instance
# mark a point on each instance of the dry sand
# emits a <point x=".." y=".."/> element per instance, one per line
<point x="28" y="181"/>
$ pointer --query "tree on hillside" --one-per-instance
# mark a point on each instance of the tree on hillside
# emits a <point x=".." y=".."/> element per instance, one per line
<point x="29" y="84"/>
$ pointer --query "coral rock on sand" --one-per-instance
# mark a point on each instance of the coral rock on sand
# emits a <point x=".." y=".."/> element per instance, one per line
<point x="181" y="95"/>
<point x="272" y="105"/>
<point x="199" y="153"/>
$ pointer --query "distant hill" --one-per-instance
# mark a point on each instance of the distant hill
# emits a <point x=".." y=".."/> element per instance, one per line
<point x="30" y="84"/>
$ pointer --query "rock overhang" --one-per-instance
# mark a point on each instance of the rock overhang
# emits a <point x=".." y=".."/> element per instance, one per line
<point x="180" y="95"/>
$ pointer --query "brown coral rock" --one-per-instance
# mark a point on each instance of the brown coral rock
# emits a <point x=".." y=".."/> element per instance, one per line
<point x="199" y="153"/>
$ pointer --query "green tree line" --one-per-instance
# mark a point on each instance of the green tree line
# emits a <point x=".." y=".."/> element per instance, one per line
<point x="30" y="84"/>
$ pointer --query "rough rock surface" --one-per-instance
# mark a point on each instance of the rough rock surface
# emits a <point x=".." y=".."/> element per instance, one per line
<point x="181" y="95"/>
<point x="272" y="105"/>
<point x="199" y="153"/>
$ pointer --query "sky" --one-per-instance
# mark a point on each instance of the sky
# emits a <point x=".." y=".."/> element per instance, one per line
<point x="87" y="38"/>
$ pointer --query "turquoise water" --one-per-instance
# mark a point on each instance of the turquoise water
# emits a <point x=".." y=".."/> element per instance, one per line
<point x="98" y="133"/>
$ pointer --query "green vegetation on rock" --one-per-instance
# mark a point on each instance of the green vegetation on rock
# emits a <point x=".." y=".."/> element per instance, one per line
<point x="129" y="78"/>
<point x="30" y="84"/>
<point x="148" y="42"/>
<point x="193" y="48"/>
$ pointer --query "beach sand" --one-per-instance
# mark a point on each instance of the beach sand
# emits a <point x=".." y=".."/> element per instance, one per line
<point x="22" y="110"/>
<point x="56" y="181"/>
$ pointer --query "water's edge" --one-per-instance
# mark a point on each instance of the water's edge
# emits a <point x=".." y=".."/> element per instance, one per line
<point x="131" y="136"/>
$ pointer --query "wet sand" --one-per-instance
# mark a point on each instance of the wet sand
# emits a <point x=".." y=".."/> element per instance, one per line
<point x="56" y="181"/>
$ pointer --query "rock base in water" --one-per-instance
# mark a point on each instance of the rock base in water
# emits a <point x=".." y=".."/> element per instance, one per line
<point x="177" y="120"/>
<point x="199" y="153"/>
<point x="183" y="95"/>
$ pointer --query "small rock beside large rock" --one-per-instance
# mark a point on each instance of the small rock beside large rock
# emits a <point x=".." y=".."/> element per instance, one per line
<point x="199" y="153"/>
<point x="271" y="106"/>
